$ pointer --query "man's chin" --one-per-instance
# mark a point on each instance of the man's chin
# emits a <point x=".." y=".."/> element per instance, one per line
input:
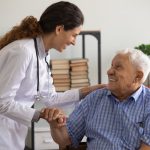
<point x="110" y="87"/>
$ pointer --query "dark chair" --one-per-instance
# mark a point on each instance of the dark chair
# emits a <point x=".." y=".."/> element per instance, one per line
<point x="82" y="146"/>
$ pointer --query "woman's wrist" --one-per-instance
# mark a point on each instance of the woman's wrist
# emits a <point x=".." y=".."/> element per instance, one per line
<point x="84" y="91"/>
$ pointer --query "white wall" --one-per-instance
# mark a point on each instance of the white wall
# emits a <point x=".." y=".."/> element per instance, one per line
<point x="123" y="23"/>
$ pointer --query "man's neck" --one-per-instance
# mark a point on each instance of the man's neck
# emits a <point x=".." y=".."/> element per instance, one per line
<point x="121" y="96"/>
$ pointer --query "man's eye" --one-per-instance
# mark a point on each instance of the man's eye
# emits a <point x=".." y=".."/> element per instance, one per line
<point x="118" y="67"/>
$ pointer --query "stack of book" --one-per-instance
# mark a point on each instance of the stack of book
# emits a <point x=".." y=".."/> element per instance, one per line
<point x="79" y="73"/>
<point x="61" y="74"/>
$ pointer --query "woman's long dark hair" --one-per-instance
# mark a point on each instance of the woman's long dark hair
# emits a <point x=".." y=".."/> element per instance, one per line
<point x="60" y="13"/>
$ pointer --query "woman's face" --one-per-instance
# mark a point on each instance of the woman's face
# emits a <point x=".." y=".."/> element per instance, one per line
<point x="65" y="38"/>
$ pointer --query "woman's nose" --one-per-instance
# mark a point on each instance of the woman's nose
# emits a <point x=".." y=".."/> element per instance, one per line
<point x="73" y="42"/>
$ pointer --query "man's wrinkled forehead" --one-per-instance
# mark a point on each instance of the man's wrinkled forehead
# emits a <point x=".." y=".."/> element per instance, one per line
<point x="121" y="58"/>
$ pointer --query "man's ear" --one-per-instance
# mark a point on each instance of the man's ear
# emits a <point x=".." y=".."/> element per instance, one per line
<point x="59" y="29"/>
<point x="139" y="76"/>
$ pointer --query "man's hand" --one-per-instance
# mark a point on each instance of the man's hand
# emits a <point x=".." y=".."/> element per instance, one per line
<point x="57" y="120"/>
<point x="55" y="117"/>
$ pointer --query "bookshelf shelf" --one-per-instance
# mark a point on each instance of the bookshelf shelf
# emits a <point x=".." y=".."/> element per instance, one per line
<point x="33" y="134"/>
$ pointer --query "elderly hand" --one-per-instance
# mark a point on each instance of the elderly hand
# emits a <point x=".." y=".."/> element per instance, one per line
<point x="54" y="116"/>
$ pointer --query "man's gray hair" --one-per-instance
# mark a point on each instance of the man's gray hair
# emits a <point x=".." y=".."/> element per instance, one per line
<point x="140" y="60"/>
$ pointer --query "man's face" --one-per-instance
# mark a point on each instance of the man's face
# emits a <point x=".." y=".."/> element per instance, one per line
<point x="121" y="75"/>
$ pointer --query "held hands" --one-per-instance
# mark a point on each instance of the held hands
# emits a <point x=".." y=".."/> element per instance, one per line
<point x="54" y="116"/>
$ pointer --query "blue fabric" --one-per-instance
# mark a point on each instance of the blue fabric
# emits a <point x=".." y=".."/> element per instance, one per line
<point x="109" y="124"/>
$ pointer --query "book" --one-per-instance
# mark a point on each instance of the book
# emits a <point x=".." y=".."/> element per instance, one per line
<point x="61" y="84"/>
<point x="62" y="89"/>
<point x="61" y="81"/>
<point x="79" y="81"/>
<point x="60" y="66"/>
<point x="80" y="68"/>
<point x="63" y="71"/>
<point x="61" y="76"/>
<point x="75" y="85"/>
<point x="59" y="61"/>
<point x="78" y="60"/>
<point x="84" y="76"/>
<point x="75" y="73"/>
<point x="78" y="64"/>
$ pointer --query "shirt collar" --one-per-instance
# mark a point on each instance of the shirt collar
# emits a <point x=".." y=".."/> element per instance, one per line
<point x="137" y="93"/>
<point x="134" y="96"/>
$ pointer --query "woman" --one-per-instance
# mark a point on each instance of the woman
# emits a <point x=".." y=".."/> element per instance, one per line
<point x="24" y="75"/>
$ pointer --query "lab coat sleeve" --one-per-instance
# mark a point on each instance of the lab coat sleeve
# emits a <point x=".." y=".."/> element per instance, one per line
<point x="62" y="98"/>
<point x="14" y="62"/>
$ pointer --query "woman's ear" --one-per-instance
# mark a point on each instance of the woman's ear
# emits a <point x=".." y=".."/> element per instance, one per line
<point x="59" y="29"/>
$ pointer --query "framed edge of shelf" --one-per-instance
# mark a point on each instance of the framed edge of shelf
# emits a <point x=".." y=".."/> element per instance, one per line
<point x="97" y="35"/>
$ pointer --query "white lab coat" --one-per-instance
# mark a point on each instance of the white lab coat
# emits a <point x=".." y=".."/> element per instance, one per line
<point x="18" y="83"/>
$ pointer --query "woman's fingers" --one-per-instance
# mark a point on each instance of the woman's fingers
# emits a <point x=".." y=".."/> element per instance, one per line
<point x="51" y="114"/>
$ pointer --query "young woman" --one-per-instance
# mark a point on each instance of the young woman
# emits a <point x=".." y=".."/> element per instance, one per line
<point x="24" y="74"/>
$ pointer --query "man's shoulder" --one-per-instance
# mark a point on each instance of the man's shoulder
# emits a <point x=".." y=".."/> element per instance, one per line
<point x="146" y="90"/>
<point x="100" y="92"/>
<point x="97" y="95"/>
<point x="146" y="94"/>
<point x="146" y="87"/>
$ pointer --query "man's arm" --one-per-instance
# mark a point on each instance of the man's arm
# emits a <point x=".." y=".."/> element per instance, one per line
<point x="60" y="136"/>
<point x="144" y="147"/>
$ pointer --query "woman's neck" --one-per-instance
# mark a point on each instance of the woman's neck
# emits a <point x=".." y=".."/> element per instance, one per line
<point x="47" y="41"/>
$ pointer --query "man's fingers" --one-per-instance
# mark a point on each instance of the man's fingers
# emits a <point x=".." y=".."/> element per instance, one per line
<point x="61" y="119"/>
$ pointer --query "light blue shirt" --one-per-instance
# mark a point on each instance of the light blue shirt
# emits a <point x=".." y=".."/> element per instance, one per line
<point x="110" y="124"/>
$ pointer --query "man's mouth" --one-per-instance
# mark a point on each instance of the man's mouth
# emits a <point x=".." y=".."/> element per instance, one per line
<point x="112" y="80"/>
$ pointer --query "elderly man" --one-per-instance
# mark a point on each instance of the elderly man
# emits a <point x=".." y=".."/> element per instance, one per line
<point x="116" y="117"/>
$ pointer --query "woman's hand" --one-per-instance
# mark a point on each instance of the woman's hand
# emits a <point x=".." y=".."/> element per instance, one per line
<point x="54" y="116"/>
<point x="86" y="90"/>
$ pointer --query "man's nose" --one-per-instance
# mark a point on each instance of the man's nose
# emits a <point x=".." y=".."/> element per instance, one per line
<point x="110" y="71"/>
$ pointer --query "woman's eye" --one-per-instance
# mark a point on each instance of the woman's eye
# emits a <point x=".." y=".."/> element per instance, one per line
<point x="74" y="36"/>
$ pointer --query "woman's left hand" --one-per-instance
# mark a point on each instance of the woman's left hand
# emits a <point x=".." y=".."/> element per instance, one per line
<point x="86" y="90"/>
